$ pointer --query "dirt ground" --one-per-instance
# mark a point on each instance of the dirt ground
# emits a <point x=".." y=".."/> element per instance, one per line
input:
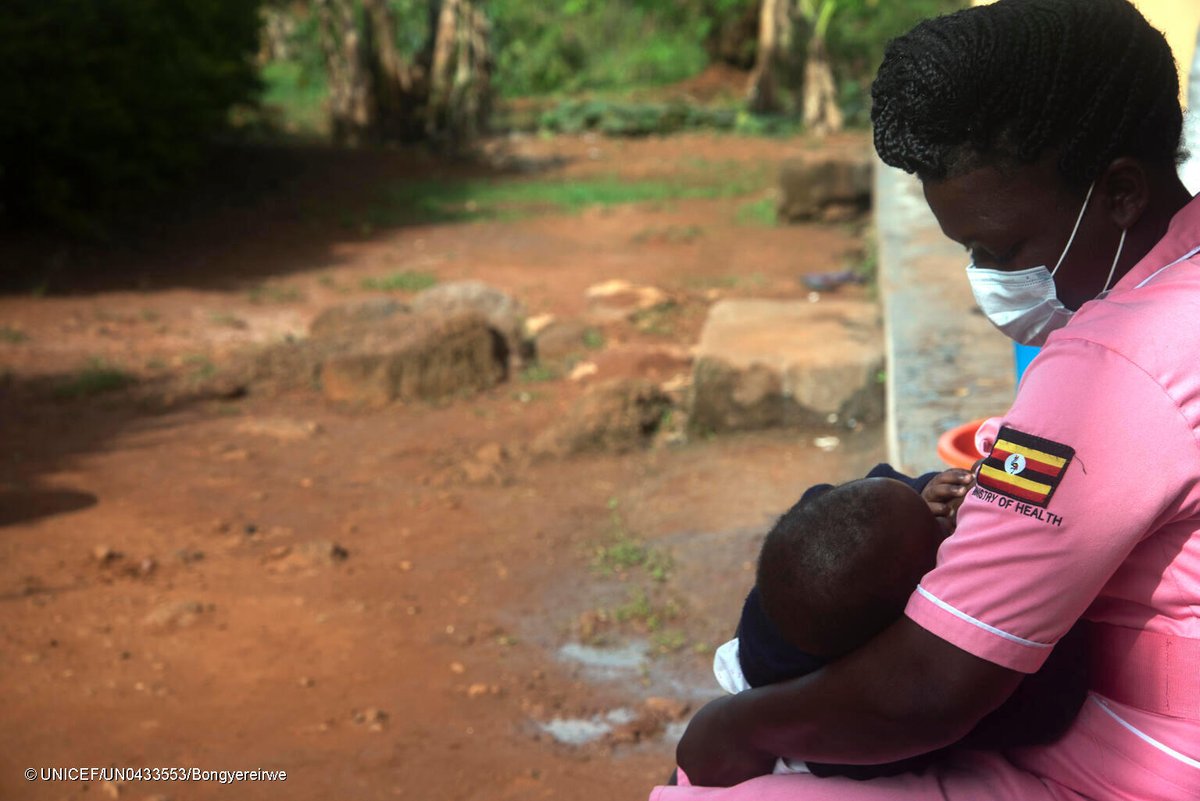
<point x="395" y="603"/>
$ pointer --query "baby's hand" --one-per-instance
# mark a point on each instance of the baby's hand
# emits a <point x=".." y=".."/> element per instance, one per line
<point x="945" y="493"/>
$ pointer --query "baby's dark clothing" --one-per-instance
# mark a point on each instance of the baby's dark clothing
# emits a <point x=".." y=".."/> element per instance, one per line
<point x="1038" y="712"/>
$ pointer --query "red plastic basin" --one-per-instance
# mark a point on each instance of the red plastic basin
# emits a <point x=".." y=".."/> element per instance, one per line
<point x="957" y="446"/>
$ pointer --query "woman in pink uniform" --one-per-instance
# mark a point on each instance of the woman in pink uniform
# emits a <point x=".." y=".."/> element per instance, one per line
<point x="1046" y="135"/>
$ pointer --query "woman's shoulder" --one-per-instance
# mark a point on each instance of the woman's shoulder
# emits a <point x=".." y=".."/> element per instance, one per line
<point x="1153" y="326"/>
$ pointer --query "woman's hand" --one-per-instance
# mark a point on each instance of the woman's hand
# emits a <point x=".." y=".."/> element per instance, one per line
<point x="713" y="755"/>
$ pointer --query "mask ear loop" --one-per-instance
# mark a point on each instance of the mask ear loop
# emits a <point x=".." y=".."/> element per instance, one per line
<point x="1112" y="270"/>
<point x="1074" y="230"/>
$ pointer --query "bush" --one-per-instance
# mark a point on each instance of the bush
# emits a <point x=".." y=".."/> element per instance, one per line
<point x="103" y="101"/>
<point x="579" y="45"/>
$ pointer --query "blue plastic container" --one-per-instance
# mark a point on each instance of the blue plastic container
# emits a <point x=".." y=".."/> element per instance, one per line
<point x="1022" y="356"/>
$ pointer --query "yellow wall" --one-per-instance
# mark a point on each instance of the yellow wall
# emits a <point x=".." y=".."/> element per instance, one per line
<point x="1179" y="20"/>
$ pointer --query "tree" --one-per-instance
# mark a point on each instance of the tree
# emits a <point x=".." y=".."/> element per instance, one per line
<point x="104" y="102"/>
<point x="821" y="111"/>
<point x="787" y="27"/>
<point x="776" y="52"/>
<point x="440" y="93"/>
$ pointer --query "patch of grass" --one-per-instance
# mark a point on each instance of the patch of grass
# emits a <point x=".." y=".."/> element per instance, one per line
<point x="669" y="641"/>
<point x="620" y="555"/>
<point x="228" y="320"/>
<point x="13" y="336"/>
<point x="96" y="378"/>
<point x="703" y="282"/>
<point x="671" y="234"/>
<point x="758" y="213"/>
<point x="658" y="320"/>
<point x="537" y="373"/>
<point x="593" y="339"/>
<point x="275" y="293"/>
<point x="149" y="316"/>
<point x="201" y="366"/>
<point x="404" y="281"/>
<point x="772" y="125"/>
<point x="640" y="609"/>
<point x="451" y="201"/>
<point x="623" y="552"/>
<point x="156" y="364"/>
<point x="868" y="268"/>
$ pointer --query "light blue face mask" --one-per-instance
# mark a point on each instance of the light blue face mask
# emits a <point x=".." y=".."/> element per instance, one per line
<point x="1024" y="304"/>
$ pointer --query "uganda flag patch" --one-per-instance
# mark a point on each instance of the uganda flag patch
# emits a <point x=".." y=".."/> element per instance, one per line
<point x="1025" y="467"/>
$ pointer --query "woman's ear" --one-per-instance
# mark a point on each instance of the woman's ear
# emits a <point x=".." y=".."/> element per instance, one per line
<point x="1126" y="191"/>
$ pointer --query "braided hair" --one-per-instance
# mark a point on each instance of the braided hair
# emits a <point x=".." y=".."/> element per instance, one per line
<point x="1005" y="84"/>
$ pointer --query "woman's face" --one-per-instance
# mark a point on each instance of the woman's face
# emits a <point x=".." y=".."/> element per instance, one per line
<point x="1021" y="217"/>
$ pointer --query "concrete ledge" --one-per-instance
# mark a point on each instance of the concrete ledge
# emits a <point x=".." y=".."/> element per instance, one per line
<point x="946" y="363"/>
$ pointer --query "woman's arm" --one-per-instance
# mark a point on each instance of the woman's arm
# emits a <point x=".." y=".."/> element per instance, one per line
<point x="904" y="693"/>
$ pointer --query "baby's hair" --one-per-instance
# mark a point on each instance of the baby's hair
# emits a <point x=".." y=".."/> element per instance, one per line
<point x="1005" y="83"/>
<point x="834" y="570"/>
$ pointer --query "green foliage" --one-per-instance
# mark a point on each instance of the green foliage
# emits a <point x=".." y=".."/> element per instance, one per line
<point x="275" y="293"/>
<point x="614" y="118"/>
<point x="96" y="378"/>
<point x="404" y="281"/>
<point x="466" y="200"/>
<point x="593" y="339"/>
<point x="105" y="101"/>
<point x="577" y="45"/>
<point x="758" y="213"/>
<point x="538" y="373"/>
<point x="296" y="95"/>
<point x="859" y="31"/>
<point x="623" y="551"/>
<point x="13" y="336"/>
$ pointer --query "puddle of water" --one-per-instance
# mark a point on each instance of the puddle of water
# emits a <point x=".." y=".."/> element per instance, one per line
<point x="579" y="731"/>
<point x="606" y="663"/>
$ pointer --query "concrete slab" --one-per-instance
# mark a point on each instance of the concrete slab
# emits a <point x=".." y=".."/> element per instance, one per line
<point x="946" y="363"/>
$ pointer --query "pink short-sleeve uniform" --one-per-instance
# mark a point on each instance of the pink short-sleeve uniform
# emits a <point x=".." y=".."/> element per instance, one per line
<point x="1088" y="506"/>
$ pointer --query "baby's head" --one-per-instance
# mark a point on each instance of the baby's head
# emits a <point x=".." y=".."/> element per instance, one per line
<point x="838" y="568"/>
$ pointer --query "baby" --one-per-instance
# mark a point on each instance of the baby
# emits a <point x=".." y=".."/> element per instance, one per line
<point x="838" y="568"/>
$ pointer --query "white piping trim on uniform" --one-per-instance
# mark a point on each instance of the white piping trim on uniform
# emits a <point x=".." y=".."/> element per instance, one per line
<point x="974" y="621"/>
<point x="1166" y="749"/>
<point x="1154" y="275"/>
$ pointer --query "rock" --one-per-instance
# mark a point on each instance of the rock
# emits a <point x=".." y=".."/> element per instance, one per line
<point x="415" y="357"/>
<point x="830" y="189"/>
<point x="175" y="614"/>
<point x="669" y="709"/>
<point x="105" y="555"/>
<point x="536" y="324"/>
<point x="561" y="339"/>
<point x="619" y="300"/>
<point x="338" y="319"/>
<point x="374" y="719"/>
<point x="583" y="370"/>
<point x="319" y="552"/>
<point x="767" y="363"/>
<point x="503" y="313"/>
<point x="281" y="428"/>
<point x="616" y="415"/>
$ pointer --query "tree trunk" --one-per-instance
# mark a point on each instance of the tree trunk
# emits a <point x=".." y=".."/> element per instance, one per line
<point x="459" y="75"/>
<point x="822" y="115"/>
<point x="351" y="97"/>
<point x="768" y="90"/>
<point x="400" y="87"/>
